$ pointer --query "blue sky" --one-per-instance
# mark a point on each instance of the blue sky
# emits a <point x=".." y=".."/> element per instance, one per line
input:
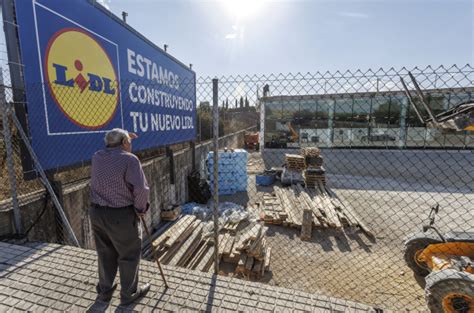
<point x="221" y="38"/>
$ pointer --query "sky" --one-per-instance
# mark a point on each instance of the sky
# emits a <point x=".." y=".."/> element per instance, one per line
<point x="247" y="37"/>
<point x="238" y="37"/>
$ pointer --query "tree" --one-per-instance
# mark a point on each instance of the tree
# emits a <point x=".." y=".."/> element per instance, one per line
<point x="236" y="104"/>
<point x="241" y="102"/>
<point x="205" y="106"/>
<point x="227" y="104"/>
<point x="247" y="104"/>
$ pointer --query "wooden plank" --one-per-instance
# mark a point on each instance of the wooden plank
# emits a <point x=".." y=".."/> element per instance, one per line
<point x="223" y="238"/>
<point x="181" y="231"/>
<point x="191" y="252"/>
<point x="318" y="205"/>
<point x="249" y="233"/>
<point x="198" y="256"/>
<point x="249" y="263"/>
<point x="267" y="258"/>
<point x="286" y="205"/>
<point x="176" y="228"/>
<point x="170" y="231"/>
<point x="256" y="249"/>
<point x="240" y="268"/>
<point x="296" y="210"/>
<point x="307" y="226"/>
<point x="332" y="218"/>
<point x="207" y="259"/>
<point x="338" y="203"/>
<point x="257" y="268"/>
<point x="192" y="240"/>
<point x="231" y="258"/>
<point x="228" y="246"/>
<point x="309" y="203"/>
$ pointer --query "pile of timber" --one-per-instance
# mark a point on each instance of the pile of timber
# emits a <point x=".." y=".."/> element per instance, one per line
<point x="314" y="176"/>
<point x="254" y="254"/>
<point x="312" y="156"/>
<point x="310" y="151"/>
<point x="295" y="162"/>
<point x="291" y="207"/>
<point x="184" y="243"/>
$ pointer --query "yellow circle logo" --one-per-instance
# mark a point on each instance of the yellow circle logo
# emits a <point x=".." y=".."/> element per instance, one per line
<point x="81" y="78"/>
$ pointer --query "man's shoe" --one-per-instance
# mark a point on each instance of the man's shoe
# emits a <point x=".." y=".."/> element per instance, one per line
<point x="106" y="296"/>
<point x="141" y="292"/>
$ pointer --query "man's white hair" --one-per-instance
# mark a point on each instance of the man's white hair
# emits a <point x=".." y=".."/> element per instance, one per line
<point x="115" y="137"/>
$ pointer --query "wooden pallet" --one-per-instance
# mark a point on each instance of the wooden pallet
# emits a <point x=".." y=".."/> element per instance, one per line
<point x="310" y="151"/>
<point x="272" y="210"/>
<point x="295" y="162"/>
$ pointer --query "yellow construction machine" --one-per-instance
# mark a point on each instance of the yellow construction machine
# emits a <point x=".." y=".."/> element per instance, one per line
<point x="447" y="261"/>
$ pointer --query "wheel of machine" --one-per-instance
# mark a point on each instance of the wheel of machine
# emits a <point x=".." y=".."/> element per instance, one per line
<point x="414" y="245"/>
<point x="450" y="291"/>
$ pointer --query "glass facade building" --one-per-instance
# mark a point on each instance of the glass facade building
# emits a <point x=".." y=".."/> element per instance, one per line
<point x="379" y="119"/>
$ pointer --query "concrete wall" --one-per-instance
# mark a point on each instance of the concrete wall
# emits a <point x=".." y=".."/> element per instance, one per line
<point x="75" y="197"/>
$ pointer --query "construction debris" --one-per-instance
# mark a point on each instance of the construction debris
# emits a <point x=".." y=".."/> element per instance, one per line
<point x="299" y="207"/>
<point x="188" y="243"/>
<point x="251" y="245"/>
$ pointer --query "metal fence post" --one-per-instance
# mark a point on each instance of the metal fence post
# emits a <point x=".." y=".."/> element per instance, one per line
<point x="215" y="123"/>
<point x="10" y="164"/>
<point x="46" y="182"/>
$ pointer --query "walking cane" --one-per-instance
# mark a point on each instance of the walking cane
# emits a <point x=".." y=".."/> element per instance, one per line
<point x="154" y="251"/>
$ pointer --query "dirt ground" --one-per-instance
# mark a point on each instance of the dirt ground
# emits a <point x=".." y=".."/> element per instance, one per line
<point x="348" y="264"/>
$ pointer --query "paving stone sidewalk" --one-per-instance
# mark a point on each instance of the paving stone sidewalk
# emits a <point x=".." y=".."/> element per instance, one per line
<point x="51" y="277"/>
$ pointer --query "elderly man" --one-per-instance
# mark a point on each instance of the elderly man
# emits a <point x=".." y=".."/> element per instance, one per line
<point x="119" y="192"/>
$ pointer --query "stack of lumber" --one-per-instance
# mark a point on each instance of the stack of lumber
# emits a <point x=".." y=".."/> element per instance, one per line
<point x="295" y="162"/>
<point x="310" y="151"/>
<point x="314" y="172"/>
<point x="312" y="156"/>
<point x="313" y="176"/>
<point x="254" y="254"/>
<point x="291" y="207"/>
<point x="184" y="243"/>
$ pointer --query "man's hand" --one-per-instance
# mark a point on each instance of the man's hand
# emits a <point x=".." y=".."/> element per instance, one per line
<point x="141" y="213"/>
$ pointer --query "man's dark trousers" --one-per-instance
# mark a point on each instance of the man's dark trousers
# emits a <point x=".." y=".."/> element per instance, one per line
<point x="117" y="236"/>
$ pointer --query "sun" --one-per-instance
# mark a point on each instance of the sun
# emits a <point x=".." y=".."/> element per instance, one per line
<point x="243" y="8"/>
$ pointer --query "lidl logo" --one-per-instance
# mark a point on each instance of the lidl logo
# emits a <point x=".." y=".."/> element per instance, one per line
<point x="81" y="78"/>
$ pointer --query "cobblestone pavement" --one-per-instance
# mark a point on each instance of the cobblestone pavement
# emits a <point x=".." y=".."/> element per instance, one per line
<point x="50" y="277"/>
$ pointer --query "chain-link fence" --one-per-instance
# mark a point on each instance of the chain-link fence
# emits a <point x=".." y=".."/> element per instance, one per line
<point x="341" y="172"/>
<point x="320" y="178"/>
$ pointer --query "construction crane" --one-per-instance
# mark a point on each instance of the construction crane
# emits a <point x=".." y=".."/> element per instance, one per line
<point x="460" y="117"/>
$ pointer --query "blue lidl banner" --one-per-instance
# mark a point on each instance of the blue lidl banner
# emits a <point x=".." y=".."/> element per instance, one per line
<point x="86" y="72"/>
